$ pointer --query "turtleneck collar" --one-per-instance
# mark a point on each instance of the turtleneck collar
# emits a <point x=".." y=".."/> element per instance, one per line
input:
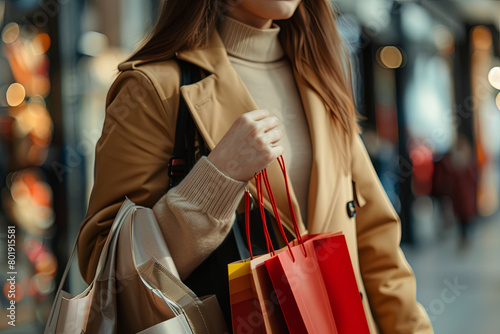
<point x="249" y="43"/>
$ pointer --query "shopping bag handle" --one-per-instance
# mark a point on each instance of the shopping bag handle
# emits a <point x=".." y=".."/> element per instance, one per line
<point x="269" y="244"/>
<point x="263" y="176"/>
<point x="260" y="196"/>
<point x="275" y="210"/>
<point x="281" y="162"/>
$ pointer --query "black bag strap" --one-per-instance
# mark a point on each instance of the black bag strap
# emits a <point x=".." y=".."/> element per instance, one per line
<point x="189" y="145"/>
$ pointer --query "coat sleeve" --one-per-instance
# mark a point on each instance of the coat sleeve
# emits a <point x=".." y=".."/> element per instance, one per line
<point x="131" y="161"/>
<point x="389" y="280"/>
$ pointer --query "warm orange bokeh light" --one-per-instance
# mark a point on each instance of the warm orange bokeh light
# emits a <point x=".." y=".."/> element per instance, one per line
<point x="481" y="38"/>
<point x="15" y="94"/>
<point x="41" y="43"/>
<point x="390" y="57"/>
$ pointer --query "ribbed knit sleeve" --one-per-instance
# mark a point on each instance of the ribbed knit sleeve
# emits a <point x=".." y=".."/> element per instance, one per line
<point x="196" y="216"/>
<point x="210" y="190"/>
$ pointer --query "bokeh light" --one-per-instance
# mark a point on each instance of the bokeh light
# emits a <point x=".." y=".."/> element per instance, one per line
<point x="390" y="57"/>
<point x="10" y="33"/>
<point x="31" y="206"/>
<point x="46" y="263"/>
<point x="41" y="43"/>
<point x="443" y="38"/>
<point x="92" y="43"/>
<point x="494" y="77"/>
<point x="35" y="120"/>
<point x="15" y="94"/>
<point x="42" y="284"/>
<point x="481" y="38"/>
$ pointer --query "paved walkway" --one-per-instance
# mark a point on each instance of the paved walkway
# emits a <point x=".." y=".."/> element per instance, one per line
<point x="460" y="286"/>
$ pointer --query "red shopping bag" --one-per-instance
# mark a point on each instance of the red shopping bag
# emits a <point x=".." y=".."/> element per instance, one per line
<point x="302" y="294"/>
<point x="332" y="256"/>
<point x="328" y="254"/>
<point x="297" y="280"/>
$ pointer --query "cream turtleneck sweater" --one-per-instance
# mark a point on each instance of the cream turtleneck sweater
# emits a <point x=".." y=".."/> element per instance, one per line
<point x="257" y="56"/>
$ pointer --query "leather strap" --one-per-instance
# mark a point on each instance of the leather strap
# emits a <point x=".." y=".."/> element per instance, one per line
<point x="189" y="144"/>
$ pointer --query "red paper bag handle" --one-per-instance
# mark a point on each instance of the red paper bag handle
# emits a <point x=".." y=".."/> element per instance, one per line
<point x="263" y="176"/>
<point x="247" y="221"/>
<point x="275" y="210"/>
<point x="281" y="161"/>
<point x="260" y="198"/>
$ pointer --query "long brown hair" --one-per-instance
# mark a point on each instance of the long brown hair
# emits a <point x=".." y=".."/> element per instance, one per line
<point x="310" y="40"/>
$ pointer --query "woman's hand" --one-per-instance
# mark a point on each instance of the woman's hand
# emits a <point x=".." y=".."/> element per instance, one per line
<point x="249" y="146"/>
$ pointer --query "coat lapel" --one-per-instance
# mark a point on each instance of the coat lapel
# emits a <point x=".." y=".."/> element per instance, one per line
<point x="322" y="195"/>
<point x="217" y="101"/>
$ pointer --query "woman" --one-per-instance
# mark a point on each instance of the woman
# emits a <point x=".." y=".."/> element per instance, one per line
<point x="276" y="84"/>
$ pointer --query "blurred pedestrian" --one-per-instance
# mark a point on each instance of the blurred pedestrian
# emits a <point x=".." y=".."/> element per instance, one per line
<point x="455" y="176"/>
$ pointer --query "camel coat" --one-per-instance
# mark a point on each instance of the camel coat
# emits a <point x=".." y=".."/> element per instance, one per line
<point x="384" y="278"/>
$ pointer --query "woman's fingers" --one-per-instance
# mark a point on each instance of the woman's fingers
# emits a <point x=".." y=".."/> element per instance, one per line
<point x="276" y="151"/>
<point x="273" y="136"/>
<point x="256" y="115"/>
<point x="267" y="123"/>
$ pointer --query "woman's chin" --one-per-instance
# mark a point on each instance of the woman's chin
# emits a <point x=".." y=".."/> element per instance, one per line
<point x="281" y="10"/>
<point x="269" y="9"/>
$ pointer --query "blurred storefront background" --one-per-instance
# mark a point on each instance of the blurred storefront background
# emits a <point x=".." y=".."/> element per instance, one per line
<point x="426" y="76"/>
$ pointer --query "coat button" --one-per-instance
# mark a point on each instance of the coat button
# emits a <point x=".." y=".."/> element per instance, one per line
<point x="351" y="209"/>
